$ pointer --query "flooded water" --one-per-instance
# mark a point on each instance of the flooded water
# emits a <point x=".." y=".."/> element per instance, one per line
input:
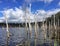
<point x="19" y="35"/>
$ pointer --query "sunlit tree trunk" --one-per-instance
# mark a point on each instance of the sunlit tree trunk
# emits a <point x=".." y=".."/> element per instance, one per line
<point x="8" y="34"/>
<point x="55" y="42"/>
<point x="36" y="34"/>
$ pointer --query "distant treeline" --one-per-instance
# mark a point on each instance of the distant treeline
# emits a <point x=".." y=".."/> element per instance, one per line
<point x="19" y="24"/>
<point x="51" y="19"/>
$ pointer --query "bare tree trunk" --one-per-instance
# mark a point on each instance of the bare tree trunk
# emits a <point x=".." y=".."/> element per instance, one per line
<point x="8" y="34"/>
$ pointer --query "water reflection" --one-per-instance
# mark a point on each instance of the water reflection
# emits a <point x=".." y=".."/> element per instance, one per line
<point x="18" y="36"/>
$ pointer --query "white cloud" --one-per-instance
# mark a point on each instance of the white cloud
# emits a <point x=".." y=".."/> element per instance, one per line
<point x="45" y="1"/>
<point x="2" y="19"/>
<point x="18" y="15"/>
<point x="48" y="1"/>
<point x="58" y="3"/>
<point x="44" y="14"/>
<point x="14" y="15"/>
<point x="52" y="12"/>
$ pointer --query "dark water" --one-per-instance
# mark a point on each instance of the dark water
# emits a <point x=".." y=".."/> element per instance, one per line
<point x="19" y="35"/>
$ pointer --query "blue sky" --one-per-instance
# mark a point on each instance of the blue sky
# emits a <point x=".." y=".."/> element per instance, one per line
<point x="35" y="4"/>
<point x="42" y="6"/>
